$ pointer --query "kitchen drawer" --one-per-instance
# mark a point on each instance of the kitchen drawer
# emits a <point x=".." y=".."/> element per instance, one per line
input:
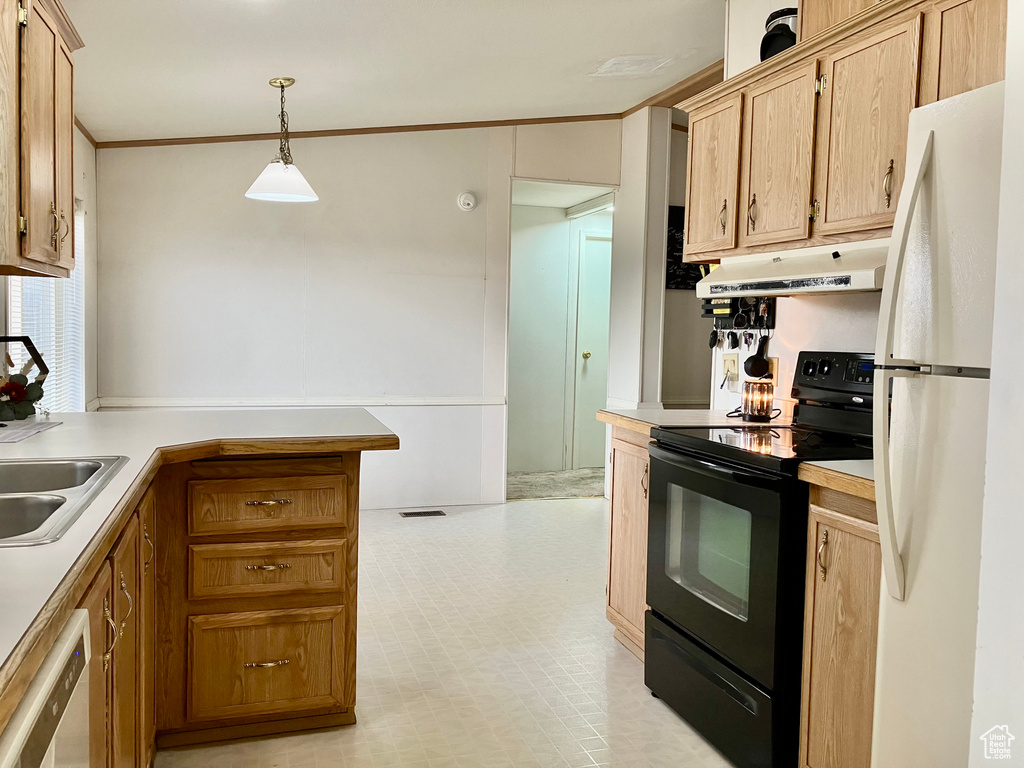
<point x="266" y="568"/>
<point x="266" y="504"/>
<point x="265" y="662"/>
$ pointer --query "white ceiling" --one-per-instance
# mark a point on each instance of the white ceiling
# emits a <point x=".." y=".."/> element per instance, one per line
<point x="551" y="195"/>
<point x="160" y="69"/>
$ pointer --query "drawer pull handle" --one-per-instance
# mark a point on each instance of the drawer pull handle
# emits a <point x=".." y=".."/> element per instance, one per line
<point x="269" y="503"/>
<point x="279" y="566"/>
<point x="822" y="567"/>
<point x="152" y="549"/>
<point x="887" y="184"/>
<point x="266" y="664"/>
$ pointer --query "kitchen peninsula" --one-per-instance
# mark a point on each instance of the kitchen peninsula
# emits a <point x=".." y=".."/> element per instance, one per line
<point x="225" y="535"/>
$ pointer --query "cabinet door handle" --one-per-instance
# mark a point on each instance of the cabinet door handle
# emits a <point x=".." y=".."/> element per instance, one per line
<point x="107" y="654"/>
<point x="721" y="214"/>
<point x="644" y="482"/>
<point x="56" y="226"/>
<point x="268" y="503"/>
<point x="131" y="604"/>
<point x="266" y="664"/>
<point x="752" y="213"/>
<point x="152" y="549"/>
<point x="279" y="566"/>
<point x="67" y="231"/>
<point x="887" y="184"/>
<point x="821" y="554"/>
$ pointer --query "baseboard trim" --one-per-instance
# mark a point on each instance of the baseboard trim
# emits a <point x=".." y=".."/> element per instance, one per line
<point x="195" y="403"/>
<point x="251" y="730"/>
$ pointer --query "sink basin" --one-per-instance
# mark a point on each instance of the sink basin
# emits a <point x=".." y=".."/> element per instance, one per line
<point x="41" y="476"/>
<point x="21" y="514"/>
<point x="41" y="498"/>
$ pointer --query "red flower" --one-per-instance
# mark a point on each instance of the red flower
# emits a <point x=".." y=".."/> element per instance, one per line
<point x="13" y="390"/>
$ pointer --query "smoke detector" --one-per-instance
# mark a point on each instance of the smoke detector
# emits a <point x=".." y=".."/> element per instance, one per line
<point x="631" y="66"/>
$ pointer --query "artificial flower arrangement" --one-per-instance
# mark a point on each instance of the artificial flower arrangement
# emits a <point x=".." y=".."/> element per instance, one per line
<point x="18" y="395"/>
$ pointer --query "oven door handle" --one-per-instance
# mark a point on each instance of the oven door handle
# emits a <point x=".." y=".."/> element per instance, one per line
<point x="717" y="471"/>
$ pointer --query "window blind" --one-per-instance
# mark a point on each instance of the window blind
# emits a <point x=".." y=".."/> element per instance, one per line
<point x="52" y="313"/>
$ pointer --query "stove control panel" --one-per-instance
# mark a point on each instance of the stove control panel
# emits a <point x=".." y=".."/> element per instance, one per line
<point x="833" y="372"/>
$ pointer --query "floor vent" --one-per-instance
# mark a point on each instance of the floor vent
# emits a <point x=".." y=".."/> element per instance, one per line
<point x="424" y="513"/>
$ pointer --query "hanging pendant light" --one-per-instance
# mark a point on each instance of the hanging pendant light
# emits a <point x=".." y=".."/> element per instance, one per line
<point x="281" y="181"/>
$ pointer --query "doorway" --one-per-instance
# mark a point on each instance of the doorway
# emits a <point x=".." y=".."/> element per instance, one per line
<point x="559" y="296"/>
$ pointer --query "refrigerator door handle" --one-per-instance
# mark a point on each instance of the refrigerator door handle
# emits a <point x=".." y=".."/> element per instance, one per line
<point x="888" y="368"/>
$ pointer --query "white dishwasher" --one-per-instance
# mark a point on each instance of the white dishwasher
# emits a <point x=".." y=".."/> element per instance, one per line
<point x="50" y="728"/>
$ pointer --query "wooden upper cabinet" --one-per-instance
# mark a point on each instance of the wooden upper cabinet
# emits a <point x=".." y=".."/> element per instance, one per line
<point x="817" y="15"/>
<point x="37" y="120"/>
<point x="778" y="152"/>
<point x="844" y="568"/>
<point x="870" y="88"/>
<point x="965" y="44"/>
<point x="40" y="49"/>
<point x="713" y="158"/>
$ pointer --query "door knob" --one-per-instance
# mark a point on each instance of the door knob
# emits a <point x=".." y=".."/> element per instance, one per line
<point x="586" y="355"/>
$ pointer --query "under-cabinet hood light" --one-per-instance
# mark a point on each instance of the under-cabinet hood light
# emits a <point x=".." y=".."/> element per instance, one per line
<point x="281" y="181"/>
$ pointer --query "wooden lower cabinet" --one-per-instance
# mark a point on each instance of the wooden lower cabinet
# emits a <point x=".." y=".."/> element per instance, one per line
<point x="264" y="662"/>
<point x="97" y="602"/>
<point x="125" y="608"/>
<point x="627" y="551"/>
<point x="147" y="629"/>
<point x="840" y="632"/>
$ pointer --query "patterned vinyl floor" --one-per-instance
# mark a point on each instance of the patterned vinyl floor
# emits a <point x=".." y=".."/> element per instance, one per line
<point x="483" y="643"/>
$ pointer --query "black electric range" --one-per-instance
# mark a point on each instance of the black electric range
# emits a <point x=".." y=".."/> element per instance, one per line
<point x="727" y="543"/>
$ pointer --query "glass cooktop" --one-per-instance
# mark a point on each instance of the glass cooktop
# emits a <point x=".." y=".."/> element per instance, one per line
<point x="780" y="448"/>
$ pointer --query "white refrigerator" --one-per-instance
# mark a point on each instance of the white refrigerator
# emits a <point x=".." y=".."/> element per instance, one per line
<point x="935" y="345"/>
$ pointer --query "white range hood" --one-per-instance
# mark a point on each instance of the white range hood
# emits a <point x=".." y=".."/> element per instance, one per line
<point x="818" y="269"/>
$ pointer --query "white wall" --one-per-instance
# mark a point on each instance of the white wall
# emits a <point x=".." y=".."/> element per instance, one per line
<point x="537" y="337"/>
<point x="382" y="294"/>
<point x="542" y="328"/>
<point x="638" y="261"/>
<point x="744" y="28"/>
<point x="837" y="322"/>
<point x="85" y="190"/>
<point x="686" y="364"/>
<point x="999" y="669"/>
<point x="586" y="151"/>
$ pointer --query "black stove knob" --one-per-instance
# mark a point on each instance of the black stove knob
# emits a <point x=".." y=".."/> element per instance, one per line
<point x="824" y="367"/>
<point x="810" y="368"/>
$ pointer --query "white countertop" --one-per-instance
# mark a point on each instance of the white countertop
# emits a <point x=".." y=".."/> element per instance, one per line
<point x="29" y="575"/>
<point x="863" y="468"/>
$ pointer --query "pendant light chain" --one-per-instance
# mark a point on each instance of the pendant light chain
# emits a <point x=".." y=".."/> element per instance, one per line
<point x="285" y="150"/>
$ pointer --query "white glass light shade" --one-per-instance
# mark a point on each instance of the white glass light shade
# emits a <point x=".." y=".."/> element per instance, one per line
<point x="283" y="184"/>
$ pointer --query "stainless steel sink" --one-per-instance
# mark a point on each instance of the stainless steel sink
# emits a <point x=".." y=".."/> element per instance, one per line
<point x="41" y="498"/>
<point x="39" y="476"/>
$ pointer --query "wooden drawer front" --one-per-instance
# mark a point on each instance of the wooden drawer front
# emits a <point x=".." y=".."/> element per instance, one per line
<point x="266" y="504"/>
<point x="266" y="568"/>
<point x="301" y="653"/>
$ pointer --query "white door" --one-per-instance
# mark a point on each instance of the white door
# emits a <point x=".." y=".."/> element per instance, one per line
<point x="592" y="315"/>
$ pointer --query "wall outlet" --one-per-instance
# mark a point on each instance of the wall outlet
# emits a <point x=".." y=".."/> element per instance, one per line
<point x="773" y="369"/>
<point x="731" y="366"/>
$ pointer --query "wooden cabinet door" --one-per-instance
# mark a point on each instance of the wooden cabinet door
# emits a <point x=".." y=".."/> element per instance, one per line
<point x="870" y="88"/>
<point x="40" y="47"/>
<point x="778" y="154"/>
<point x="64" y="114"/>
<point x="818" y="15"/>
<point x="965" y="47"/>
<point x="840" y="634"/>
<point x="712" y="161"/>
<point x="627" y="558"/>
<point x="147" y="628"/>
<point x="97" y="602"/>
<point x="124" y="709"/>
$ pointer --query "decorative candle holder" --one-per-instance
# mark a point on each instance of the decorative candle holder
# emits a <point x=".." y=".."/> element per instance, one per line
<point x="758" y="399"/>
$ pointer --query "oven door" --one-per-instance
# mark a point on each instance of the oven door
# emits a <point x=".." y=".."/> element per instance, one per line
<point x="713" y="555"/>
